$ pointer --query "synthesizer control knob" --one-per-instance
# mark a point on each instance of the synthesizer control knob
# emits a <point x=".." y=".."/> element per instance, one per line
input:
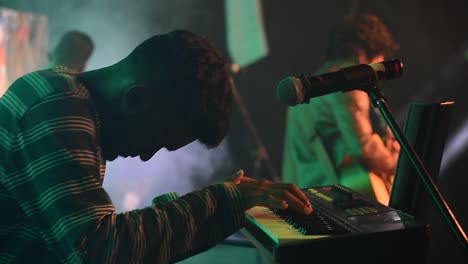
<point x="342" y="197"/>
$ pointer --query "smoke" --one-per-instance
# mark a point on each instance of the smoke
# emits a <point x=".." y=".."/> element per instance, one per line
<point x="132" y="183"/>
<point x="117" y="27"/>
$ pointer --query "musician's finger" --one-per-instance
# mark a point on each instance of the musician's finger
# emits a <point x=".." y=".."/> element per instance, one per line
<point x="294" y="190"/>
<point x="238" y="176"/>
<point x="247" y="179"/>
<point x="274" y="202"/>
<point x="265" y="181"/>
<point x="296" y="204"/>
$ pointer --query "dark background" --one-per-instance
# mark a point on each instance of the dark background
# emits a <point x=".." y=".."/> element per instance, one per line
<point x="434" y="49"/>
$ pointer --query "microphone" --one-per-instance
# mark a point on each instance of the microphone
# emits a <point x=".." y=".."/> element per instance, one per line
<point x="299" y="90"/>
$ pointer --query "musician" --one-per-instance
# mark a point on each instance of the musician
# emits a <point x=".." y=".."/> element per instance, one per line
<point x="58" y="128"/>
<point x="72" y="51"/>
<point x="340" y="137"/>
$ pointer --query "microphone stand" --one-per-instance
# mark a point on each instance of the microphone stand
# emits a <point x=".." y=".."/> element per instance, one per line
<point x="261" y="151"/>
<point x="378" y="101"/>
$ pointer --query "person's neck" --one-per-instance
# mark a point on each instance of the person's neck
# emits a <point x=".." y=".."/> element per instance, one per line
<point x="107" y="83"/>
<point x="105" y="90"/>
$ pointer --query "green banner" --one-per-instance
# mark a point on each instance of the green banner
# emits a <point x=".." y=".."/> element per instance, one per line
<point x="246" y="38"/>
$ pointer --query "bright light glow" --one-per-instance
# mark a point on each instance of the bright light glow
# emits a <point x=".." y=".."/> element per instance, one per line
<point x="455" y="146"/>
<point x="131" y="201"/>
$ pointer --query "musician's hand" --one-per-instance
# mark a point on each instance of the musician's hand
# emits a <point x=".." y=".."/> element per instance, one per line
<point x="238" y="178"/>
<point x="270" y="194"/>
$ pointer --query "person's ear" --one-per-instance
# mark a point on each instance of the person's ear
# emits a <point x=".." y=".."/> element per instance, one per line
<point x="137" y="100"/>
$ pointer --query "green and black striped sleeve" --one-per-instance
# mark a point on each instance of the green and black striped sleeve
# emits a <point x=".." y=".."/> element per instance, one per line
<point x="58" y="185"/>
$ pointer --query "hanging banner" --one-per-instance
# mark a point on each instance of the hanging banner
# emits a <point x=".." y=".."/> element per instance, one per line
<point x="246" y="38"/>
<point x="23" y="45"/>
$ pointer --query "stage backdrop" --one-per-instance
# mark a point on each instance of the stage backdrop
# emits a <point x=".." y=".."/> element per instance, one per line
<point x="23" y="44"/>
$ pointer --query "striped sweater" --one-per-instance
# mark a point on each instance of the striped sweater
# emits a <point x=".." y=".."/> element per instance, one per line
<point x="54" y="208"/>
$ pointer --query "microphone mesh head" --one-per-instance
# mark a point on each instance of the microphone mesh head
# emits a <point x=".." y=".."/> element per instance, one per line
<point x="286" y="91"/>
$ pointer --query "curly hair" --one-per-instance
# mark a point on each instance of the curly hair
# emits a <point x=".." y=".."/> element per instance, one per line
<point x="362" y="32"/>
<point x="203" y="68"/>
<point x="192" y="77"/>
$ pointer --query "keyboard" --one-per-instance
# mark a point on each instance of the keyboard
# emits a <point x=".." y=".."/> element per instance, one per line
<point x="345" y="226"/>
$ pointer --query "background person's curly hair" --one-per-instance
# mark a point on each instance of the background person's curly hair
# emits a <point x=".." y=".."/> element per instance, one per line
<point x="362" y="32"/>
<point x="205" y="68"/>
